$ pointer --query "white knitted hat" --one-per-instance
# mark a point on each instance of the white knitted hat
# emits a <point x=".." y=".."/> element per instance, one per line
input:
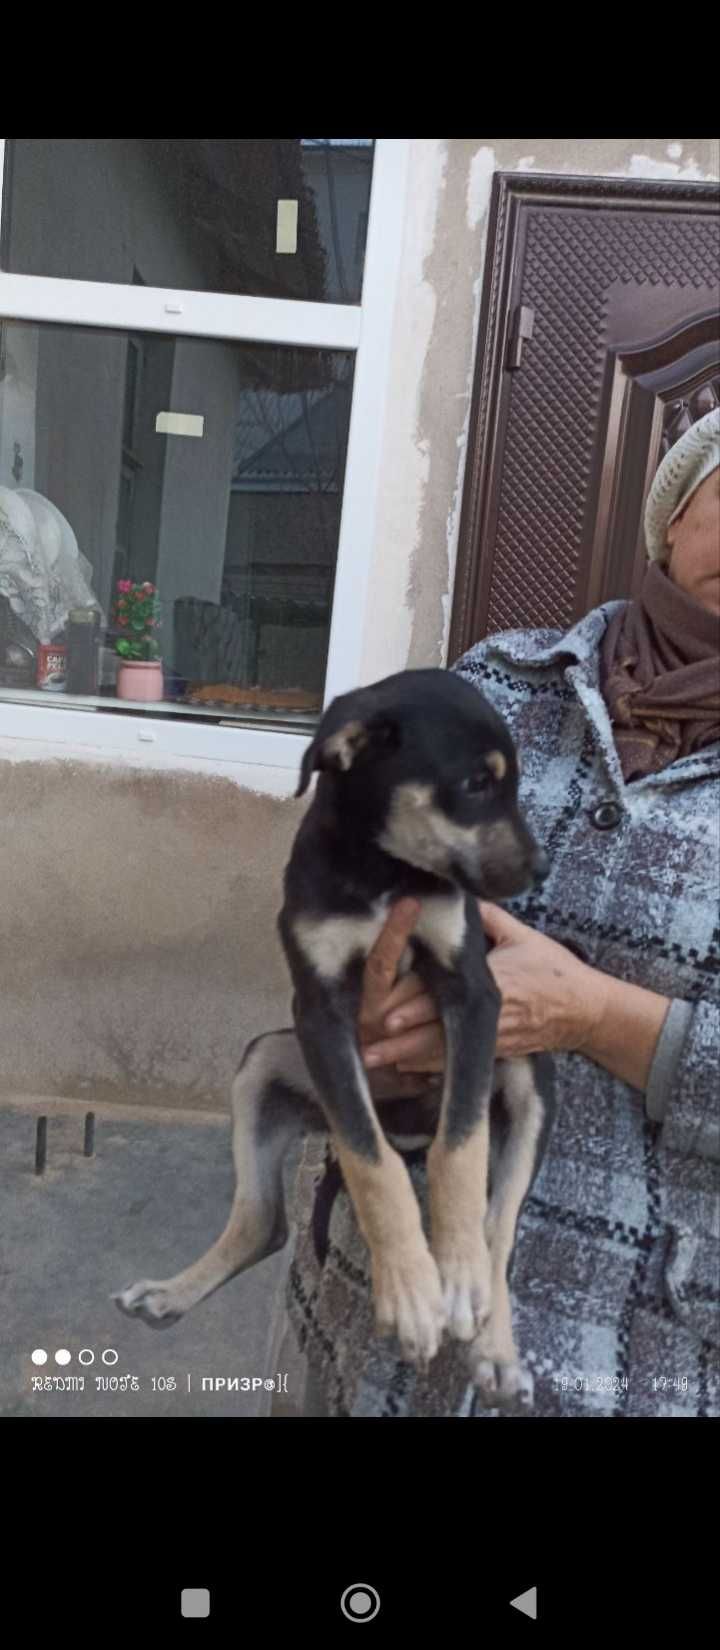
<point x="687" y="464"/>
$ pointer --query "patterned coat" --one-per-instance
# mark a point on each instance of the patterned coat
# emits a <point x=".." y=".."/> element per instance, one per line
<point x="615" y="1278"/>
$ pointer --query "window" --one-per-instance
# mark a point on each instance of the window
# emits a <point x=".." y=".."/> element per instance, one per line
<point x="197" y="213"/>
<point x="186" y="402"/>
<point x="235" y="523"/>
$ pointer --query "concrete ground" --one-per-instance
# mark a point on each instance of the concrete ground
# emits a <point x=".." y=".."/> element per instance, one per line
<point x="149" y="1201"/>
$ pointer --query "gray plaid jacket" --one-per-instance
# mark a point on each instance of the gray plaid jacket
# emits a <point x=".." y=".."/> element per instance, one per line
<point x="615" y="1278"/>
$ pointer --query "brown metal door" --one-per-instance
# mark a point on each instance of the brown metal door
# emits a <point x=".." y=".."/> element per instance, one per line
<point x="598" y="341"/>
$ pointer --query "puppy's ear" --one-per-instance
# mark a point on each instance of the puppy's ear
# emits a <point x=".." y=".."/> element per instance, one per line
<point x="307" y="767"/>
<point x="338" y="749"/>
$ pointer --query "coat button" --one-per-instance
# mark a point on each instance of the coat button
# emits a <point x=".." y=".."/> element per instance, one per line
<point x="606" y="816"/>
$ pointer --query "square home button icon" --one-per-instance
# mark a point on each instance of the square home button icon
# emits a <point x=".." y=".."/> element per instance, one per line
<point x="195" y="1601"/>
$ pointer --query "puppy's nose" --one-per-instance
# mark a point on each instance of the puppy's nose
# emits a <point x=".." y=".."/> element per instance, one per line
<point x="539" y="867"/>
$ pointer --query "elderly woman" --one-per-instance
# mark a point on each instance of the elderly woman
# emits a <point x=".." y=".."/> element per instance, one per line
<point x="615" y="969"/>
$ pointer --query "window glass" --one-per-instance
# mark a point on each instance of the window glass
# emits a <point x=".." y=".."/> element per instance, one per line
<point x="266" y="217"/>
<point x="209" y="470"/>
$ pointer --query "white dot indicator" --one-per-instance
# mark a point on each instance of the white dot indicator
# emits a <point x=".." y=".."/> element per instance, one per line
<point x="63" y="1356"/>
<point x="38" y="1356"/>
<point x="110" y="1356"/>
<point x="86" y="1356"/>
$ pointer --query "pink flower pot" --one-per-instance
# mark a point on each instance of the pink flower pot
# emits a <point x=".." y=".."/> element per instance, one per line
<point x="139" y="679"/>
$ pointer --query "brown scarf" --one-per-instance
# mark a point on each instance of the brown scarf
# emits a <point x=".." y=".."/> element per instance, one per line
<point x="660" y="676"/>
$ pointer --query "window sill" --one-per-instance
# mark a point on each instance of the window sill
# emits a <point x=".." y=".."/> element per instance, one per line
<point x="258" y="754"/>
<point x="298" y="721"/>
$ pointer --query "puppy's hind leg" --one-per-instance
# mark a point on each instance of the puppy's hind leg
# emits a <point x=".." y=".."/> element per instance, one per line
<point x="502" y="1380"/>
<point x="272" y="1102"/>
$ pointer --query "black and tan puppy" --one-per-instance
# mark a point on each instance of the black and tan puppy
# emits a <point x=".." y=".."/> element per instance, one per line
<point x="417" y="796"/>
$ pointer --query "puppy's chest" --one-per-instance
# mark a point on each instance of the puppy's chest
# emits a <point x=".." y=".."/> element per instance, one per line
<point x="329" y="944"/>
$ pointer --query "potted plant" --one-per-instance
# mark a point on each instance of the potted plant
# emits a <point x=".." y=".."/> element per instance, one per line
<point x="136" y="614"/>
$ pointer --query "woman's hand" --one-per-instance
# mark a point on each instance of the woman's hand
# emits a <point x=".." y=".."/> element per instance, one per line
<point x="382" y="994"/>
<point x="550" y="1001"/>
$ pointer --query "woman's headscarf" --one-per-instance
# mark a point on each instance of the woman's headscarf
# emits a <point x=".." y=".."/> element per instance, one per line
<point x="660" y="663"/>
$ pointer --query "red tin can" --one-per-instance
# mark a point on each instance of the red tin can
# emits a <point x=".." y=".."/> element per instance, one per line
<point x="51" y="663"/>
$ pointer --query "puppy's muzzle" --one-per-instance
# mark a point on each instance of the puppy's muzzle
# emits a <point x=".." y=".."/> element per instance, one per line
<point x="505" y="874"/>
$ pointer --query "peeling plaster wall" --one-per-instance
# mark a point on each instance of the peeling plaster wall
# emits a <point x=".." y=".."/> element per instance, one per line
<point x="137" y="944"/>
<point x="434" y="351"/>
<point x="138" y="949"/>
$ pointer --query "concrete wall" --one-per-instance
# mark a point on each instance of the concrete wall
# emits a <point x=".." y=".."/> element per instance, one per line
<point x="137" y="947"/>
<point x="434" y="349"/>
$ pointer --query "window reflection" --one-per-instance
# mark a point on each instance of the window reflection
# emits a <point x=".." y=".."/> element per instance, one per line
<point x="198" y="214"/>
<point x="236" y="527"/>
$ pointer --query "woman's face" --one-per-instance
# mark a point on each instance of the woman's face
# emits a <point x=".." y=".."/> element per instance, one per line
<point x="694" y="541"/>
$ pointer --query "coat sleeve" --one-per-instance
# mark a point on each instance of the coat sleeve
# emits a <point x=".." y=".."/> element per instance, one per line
<point x="683" y="1090"/>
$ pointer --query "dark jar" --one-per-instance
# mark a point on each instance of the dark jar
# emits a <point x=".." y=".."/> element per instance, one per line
<point x="83" y="636"/>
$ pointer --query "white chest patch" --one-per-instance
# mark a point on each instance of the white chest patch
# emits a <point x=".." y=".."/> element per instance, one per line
<point x="329" y="943"/>
<point x="442" y="926"/>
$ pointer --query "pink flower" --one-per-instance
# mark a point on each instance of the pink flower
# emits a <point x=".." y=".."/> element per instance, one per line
<point x="124" y="585"/>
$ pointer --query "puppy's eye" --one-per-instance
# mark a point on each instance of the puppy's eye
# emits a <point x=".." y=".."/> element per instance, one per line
<point x="477" y="783"/>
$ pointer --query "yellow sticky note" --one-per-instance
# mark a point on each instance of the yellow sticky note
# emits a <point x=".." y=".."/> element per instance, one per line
<point x="171" y="423"/>
<point x="287" y="226"/>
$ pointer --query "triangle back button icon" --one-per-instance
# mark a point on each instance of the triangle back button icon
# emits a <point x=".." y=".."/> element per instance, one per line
<point x="527" y="1602"/>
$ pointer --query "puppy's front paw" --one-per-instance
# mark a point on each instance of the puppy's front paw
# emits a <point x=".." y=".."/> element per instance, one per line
<point x="501" y="1385"/>
<point x="408" y="1302"/>
<point x="467" y="1289"/>
<point x="152" y="1302"/>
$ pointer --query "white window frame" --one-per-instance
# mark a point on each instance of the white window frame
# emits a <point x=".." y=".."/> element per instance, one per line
<point x="264" y="757"/>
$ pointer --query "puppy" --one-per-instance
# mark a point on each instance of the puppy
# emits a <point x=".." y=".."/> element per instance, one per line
<point x="417" y="796"/>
